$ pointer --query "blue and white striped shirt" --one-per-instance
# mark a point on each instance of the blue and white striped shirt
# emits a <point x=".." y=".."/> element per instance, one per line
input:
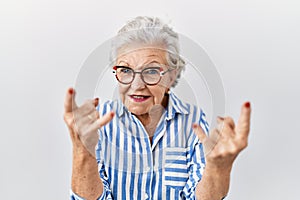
<point x="133" y="168"/>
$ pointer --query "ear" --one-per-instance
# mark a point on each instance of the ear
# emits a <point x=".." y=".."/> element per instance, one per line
<point x="168" y="79"/>
<point x="167" y="91"/>
<point x="173" y="76"/>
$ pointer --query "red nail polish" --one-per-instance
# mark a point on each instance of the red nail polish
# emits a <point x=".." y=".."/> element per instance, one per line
<point x="194" y="125"/>
<point x="112" y="114"/>
<point x="71" y="91"/>
<point x="247" y="104"/>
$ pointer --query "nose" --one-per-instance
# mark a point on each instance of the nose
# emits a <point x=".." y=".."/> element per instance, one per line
<point x="137" y="82"/>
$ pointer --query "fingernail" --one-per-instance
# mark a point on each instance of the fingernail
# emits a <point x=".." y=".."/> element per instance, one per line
<point x="71" y="91"/>
<point x="195" y="126"/>
<point x="247" y="104"/>
<point x="220" y="118"/>
<point x="112" y="114"/>
<point x="96" y="99"/>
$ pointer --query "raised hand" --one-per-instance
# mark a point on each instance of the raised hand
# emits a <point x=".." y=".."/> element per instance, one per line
<point x="224" y="143"/>
<point x="83" y="122"/>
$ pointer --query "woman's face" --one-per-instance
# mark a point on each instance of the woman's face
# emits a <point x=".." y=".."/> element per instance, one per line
<point x="138" y="97"/>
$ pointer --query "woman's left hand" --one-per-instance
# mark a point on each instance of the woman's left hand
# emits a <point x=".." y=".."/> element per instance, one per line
<point x="224" y="143"/>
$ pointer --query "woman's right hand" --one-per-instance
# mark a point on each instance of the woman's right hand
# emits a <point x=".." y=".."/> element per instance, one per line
<point x="83" y="122"/>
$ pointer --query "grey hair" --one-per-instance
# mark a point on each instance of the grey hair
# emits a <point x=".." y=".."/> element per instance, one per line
<point x="150" y="31"/>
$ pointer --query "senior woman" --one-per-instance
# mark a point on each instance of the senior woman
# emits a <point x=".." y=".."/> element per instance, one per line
<point x="149" y="143"/>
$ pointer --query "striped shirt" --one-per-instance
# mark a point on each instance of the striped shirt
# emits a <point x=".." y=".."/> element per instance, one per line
<point x="133" y="168"/>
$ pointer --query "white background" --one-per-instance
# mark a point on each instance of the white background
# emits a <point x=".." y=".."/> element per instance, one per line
<point x="254" y="44"/>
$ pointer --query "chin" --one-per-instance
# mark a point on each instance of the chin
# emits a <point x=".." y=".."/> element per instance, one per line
<point x="138" y="111"/>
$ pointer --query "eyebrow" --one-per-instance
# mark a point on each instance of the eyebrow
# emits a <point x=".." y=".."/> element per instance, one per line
<point x="153" y="61"/>
<point x="151" y="55"/>
<point x="123" y="62"/>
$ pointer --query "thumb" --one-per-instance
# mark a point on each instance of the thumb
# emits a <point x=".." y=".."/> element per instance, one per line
<point x="199" y="132"/>
<point x="70" y="103"/>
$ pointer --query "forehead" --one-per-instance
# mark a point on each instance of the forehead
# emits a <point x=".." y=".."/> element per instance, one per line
<point x="142" y="55"/>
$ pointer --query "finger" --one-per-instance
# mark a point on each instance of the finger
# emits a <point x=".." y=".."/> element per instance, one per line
<point x="70" y="103"/>
<point x="215" y="135"/>
<point x="86" y="108"/>
<point x="96" y="101"/>
<point x="227" y="120"/>
<point x="210" y="143"/>
<point x="103" y="120"/>
<point x="199" y="132"/>
<point x="226" y="126"/>
<point x="97" y="114"/>
<point x="85" y="114"/>
<point x="243" y="125"/>
<point x="230" y="122"/>
<point x="93" y="116"/>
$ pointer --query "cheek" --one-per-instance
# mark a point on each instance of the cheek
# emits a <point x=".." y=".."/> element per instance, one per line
<point x="122" y="91"/>
<point x="158" y="94"/>
<point x="166" y="81"/>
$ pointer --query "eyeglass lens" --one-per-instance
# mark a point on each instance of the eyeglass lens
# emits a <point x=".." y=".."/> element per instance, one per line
<point x="149" y="75"/>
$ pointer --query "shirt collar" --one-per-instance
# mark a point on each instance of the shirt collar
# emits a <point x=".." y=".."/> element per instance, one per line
<point x="120" y="108"/>
<point x="175" y="105"/>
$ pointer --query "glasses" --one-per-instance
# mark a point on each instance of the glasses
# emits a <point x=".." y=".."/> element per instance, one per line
<point x="151" y="75"/>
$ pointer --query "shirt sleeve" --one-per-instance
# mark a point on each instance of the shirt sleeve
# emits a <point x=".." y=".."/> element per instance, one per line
<point x="196" y="161"/>
<point x="107" y="194"/>
<point x="74" y="196"/>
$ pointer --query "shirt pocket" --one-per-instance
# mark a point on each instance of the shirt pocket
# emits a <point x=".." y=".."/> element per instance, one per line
<point x="176" y="169"/>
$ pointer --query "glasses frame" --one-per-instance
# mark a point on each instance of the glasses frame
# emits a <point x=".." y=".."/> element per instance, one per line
<point x="162" y="72"/>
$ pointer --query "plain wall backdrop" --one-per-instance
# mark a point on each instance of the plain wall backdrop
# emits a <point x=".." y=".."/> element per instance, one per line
<point x="254" y="44"/>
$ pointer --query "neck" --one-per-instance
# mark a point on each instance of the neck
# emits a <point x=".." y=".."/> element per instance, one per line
<point x="151" y="119"/>
<point x="155" y="112"/>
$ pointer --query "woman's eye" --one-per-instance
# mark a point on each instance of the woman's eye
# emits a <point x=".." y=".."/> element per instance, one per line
<point x="126" y="71"/>
<point x="151" y="71"/>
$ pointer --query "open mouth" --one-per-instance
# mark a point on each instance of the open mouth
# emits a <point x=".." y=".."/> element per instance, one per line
<point x="139" y="98"/>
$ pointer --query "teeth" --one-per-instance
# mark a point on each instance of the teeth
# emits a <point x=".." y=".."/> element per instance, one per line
<point x="138" y="97"/>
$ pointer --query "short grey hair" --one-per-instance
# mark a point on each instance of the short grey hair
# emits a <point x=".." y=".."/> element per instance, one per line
<point x="150" y="31"/>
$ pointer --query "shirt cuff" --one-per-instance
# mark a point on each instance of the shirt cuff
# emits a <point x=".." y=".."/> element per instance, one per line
<point x="74" y="196"/>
